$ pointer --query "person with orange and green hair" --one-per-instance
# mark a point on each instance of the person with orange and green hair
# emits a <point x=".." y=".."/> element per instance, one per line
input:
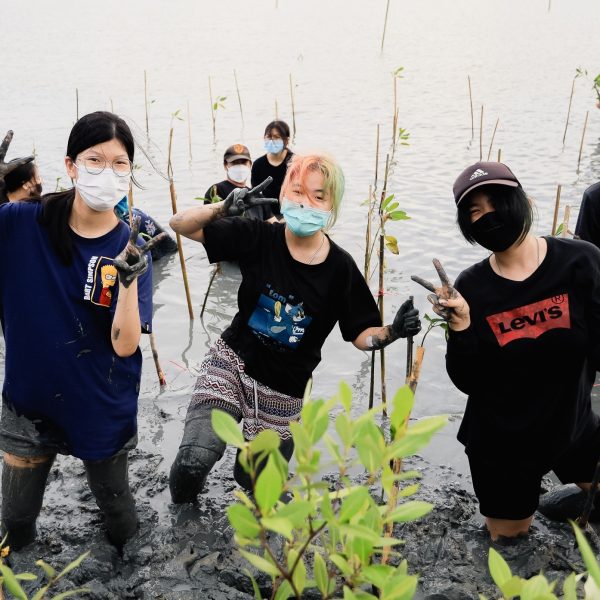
<point x="297" y="283"/>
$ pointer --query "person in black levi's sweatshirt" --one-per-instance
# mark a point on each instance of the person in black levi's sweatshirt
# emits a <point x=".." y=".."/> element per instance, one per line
<point x="524" y="345"/>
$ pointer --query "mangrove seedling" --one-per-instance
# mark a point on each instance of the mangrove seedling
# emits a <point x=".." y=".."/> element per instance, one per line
<point x="333" y="533"/>
<point x="215" y="105"/>
<point x="579" y="72"/>
<point x="596" y="88"/>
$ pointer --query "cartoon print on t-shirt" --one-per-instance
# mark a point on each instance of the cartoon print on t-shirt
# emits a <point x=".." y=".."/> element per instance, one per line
<point x="100" y="282"/>
<point x="278" y="319"/>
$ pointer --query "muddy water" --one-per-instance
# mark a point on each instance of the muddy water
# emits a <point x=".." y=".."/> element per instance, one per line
<point x="521" y="58"/>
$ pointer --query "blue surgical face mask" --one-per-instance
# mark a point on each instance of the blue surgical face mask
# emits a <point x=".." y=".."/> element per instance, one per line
<point x="304" y="220"/>
<point x="274" y="146"/>
<point x="122" y="208"/>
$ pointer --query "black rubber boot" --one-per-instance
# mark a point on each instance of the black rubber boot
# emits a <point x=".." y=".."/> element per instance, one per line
<point x="286" y="448"/>
<point x="565" y="503"/>
<point x="22" y="497"/>
<point x="108" y="479"/>
<point x="198" y="452"/>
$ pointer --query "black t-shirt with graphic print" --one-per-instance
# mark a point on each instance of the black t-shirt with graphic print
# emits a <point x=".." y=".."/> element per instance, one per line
<point x="287" y="308"/>
<point x="222" y="189"/>
<point x="262" y="168"/>
<point x="528" y="360"/>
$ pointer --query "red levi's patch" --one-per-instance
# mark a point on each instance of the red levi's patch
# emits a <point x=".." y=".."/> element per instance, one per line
<point x="532" y="320"/>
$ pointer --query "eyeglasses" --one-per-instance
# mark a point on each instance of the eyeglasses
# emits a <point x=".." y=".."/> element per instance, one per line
<point x="94" y="165"/>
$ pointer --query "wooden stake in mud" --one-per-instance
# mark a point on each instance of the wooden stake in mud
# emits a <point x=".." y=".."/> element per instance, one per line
<point x="569" y="109"/>
<point x="237" y="89"/>
<point x="587" y="114"/>
<point x="210" y="282"/>
<point x="179" y="245"/>
<point x="162" y="380"/>
<point x="213" y="113"/>
<point x="293" y="109"/>
<point x="387" y="9"/>
<point x="76" y="104"/>
<point x="276" y="111"/>
<point x="112" y="107"/>
<point x="499" y="154"/>
<point x="492" y="140"/>
<point x="472" y="114"/>
<point x="189" y="123"/>
<point x="565" y="223"/>
<point x="146" y="103"/>
<point x="481" y="135"/>
<point x="556" y="205"/>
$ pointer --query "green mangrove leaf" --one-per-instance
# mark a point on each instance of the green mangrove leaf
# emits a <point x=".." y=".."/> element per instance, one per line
<point x="320" y="572"/>
<point x="301" y="439"/>
<point x="513" y="586"/>
<point x="402" y="404"/>
<point x="409" y="490"/>
<point x="341" y="563"/>
<point x="242" y="497"/>
<point x="499" y="569"/>
<point x="592" y="591"/>
<point x="279" y="525"/>
<point x="589" y="558"/>
<point x="345" y="429"/>
<point x="269" y="486"/>
<point x="11" y="583"/>
<point x="391" y="243"/>
<point x="385" y="203"/>
<point x="266" y="440"/>
<point x="296" y="512"/>
<point x="409" y="511"/>
<point x="255" y="588"/>
<point x="377" y="574"/>
<point x="354" y="504"/>
<point x="345" y="395"/>
<point x="399" y="587"/>
<point x="333" y="448"/>
<point x="398" y="215"/>
<point x="284" y="591"/>
<point x="226" y="428"/>
<point x="537" y="588"/>
<point x="243" y="521"/>
<point x="41" y="592"/>
<point x="261" y="563"/>
<point x="299" y="574"/>
<point x="71" y="593"/>
<point x="349" y="594"/>
<point x="26" y="576"/>
<point x="570" y="588"/>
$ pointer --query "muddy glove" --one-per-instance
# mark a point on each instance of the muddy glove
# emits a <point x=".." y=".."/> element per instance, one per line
<point x="132" y="261"/>
<point x="241" y="199"/>
<point x="406" y="322"/>
<point x="6" y="168"/>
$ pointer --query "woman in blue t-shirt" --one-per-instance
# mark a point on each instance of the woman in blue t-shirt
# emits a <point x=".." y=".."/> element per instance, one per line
<point x="297" y="283"/>
<point x="72" y="322"/>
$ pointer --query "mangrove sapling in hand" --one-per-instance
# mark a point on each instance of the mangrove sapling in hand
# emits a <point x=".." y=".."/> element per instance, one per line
<point x="335" y="530"/>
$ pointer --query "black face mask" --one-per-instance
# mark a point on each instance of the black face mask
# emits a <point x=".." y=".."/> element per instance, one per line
<point x="494" y="233"/>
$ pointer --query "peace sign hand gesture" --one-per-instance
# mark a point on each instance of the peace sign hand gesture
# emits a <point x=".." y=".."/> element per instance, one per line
<point x="446" y="301"/>
<point x="132" y="261"/>
<point x="241" y="199"/>
<point x="6" y="168"/>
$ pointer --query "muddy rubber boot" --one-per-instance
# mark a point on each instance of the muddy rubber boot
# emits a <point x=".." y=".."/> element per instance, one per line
<point x="109" y="482"/>
<point x="565" y="503"/>
<point x="22" y="497"/>
<point x="198" y="452"/>
<point x="286" y="448"/>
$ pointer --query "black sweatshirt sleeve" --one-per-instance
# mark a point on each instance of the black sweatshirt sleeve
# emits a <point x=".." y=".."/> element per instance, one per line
<point x="588" y="222"/>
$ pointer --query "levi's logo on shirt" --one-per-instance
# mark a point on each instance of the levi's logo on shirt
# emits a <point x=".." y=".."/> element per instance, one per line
<point x="532" y="320"/>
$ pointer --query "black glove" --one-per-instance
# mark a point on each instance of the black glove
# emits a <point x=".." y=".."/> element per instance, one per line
<point x="6" y="168"/>
<point x="241" y="199"/>
<point x="132" y="261"/>
<point x="406" y="322"/>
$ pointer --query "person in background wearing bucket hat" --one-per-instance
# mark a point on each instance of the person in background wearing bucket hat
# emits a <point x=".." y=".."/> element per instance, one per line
<point x="237" y="163"/>
<point x="588" y="222"/>
<point x="524" y="345"/>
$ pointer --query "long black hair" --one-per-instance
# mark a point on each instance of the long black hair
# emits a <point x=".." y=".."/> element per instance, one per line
<point x="95" y="128"/>
<point x="511" y="204"/>
<point x="15" y="179"/>
<point x="282" y="128"/>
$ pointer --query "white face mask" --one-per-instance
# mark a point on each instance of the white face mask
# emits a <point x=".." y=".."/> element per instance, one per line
<point x="238" y="173"/>
<point x="101" y="192"/>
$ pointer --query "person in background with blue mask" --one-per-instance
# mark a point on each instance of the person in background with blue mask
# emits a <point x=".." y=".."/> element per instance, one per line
<point x="296" y="285"/>
<point x="275" y="162"/>
<point x="237" y="163"/>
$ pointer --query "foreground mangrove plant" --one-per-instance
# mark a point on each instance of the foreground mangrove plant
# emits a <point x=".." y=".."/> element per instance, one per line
<point x="333" y="529"/>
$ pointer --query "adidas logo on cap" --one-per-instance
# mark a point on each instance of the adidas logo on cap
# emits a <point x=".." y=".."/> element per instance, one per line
<point x="477" y="173"/>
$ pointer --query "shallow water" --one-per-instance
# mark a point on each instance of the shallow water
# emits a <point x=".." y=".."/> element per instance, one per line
<point x="521" y="58"/>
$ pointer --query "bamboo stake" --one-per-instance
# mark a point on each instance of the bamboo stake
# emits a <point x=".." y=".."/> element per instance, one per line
<point x="569" y="110"/>
<point x="481" y="135"/>
<point x="112" y="108"/>
<point x="565" y="223"/>
<point x="179" y="245"/>
<point x="556" y="205"/>
<point x="162" y="380"/>
<point x="395" y="117"/>
<point x="376" y="161"/>
<point x="367" y="266"/>
<point x="237" y="89"/>
<point x="492" y="140"/>
<point x="293" y="109"/>
<point x="189" y="123"/>
<point x="499" y="154"/>
<point x="276" y="111"/>
<point x="76" y="104"/>
<point x="587" y="114"/>
<point x="380" y="299"/>
<point x="146" y="103"/>
<point x="387" y="8"/>
<point x="472" y="114"/>
<point x="212" y="111"/>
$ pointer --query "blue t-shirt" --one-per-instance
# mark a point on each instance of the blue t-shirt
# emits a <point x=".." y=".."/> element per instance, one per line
<point x="60" y="368"/>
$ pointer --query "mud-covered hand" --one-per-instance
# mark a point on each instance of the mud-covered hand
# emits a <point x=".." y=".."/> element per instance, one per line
<point x="447" y="302"/>
<point x="406" y="322"/>
<point x="6" y="168"/>
<point x="241" y="199"/>
<point x="132" y="261"/>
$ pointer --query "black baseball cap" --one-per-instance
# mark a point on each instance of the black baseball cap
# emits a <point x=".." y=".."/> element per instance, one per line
<point x="482" y="173"/>
<point x="235" y="152"/>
